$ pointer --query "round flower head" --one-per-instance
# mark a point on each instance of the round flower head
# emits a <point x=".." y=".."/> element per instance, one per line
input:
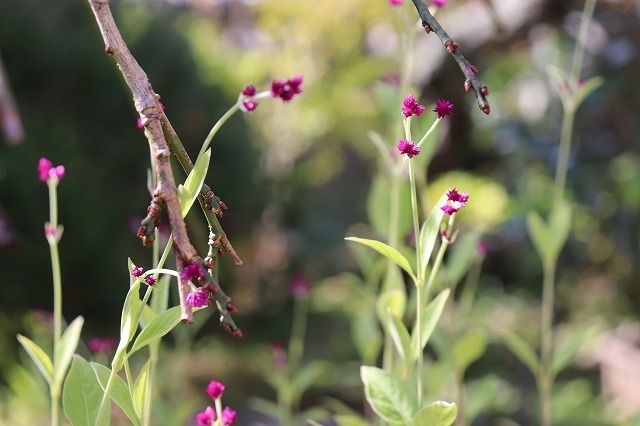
<point x="455" y="201"/>
<point x="198" y="299"/>
<point x="137" y="272"/>
<point x="46" y="170"/>
<point x="249" y="106"/>
<point x="215" y="389"/>
<point x="443" y="108"/>
<point x="408" y="148"/>
<point x="396" y="2"/>
<point x="286" y="89"/>
<point x="206" y="417"/>
<point x="192" y="272"/>
<point x="249" y="91"/>
<point x="229" y="416"/>
<point x="410" y="106"/>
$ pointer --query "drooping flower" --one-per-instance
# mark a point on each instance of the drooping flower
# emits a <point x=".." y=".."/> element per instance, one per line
<point x="439" y="3"/>
<point x="455" y="201"/>
<point x="137" y="272"/>
<point x="191" y="272"/>
<point x="249" y="106"/>
<point x="206" y="417"/>
<point x="215" y="389"/>
<point x="46" y="170"/>
<point x="198" y="299"/>
<point x="229" y="416"/>
<point x="101" y="344"/>
<point x="443" y="108"/>
<point x="249" y="91"/>
<point x="409" y="148"/>
<point x="286" y="89"/>
<point x="410" y="106"/>
<point x="396" y="2"/>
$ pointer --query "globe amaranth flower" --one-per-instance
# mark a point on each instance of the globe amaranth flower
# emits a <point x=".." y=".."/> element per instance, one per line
<point x="249" y="105"/>
<point x="396" y="2"/>
<point x="46" y="171"/>
<point x="215" y="389"/>
<point x="455" y="201"/>
<point x="101" y="344"/>
<point x="206" y="417"/>
<point x="443" y="108"/>
<point x="249" y="91"/>
<point x="198" y="298"/>
<point x="150" y="280"/>
<point x="229" y="416"/>
<point x="286" y="89"/>
<point x="410" y="106"/>
<point x="439" y="3"/>
<point x="192" y="272"/>
<point x="409" y="148"/>
<point x="137" y="272"/>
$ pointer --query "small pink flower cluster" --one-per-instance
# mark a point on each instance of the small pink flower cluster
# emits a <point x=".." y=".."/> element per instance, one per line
<point x="207" y="417"/>
<point x="46" y="170"/>
<point x="139" y="271"/>
<point x="283" y="89"/>
<point x="411" y="107"/>
<point x="455" y="201"/>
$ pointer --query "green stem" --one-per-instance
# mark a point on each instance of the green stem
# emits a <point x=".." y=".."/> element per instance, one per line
<point x="116" y="365"/>
<point x="217" y="127"/>
<point x="416" y="223"/>
<point x="52" y="239"/>
<point x="420" y="358"/>
<point x="298" y="331"/>
<point x="545" y="382"/>
<point x="563" y="155"/>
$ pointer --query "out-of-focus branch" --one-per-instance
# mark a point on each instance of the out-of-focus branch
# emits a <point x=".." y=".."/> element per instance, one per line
<point x="9" y="118"/>
<point x="165" y="196"/>
<point x="430" y="23"/>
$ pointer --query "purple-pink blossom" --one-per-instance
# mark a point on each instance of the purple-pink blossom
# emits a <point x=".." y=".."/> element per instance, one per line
<point x="192" y="272"/>
<point x="439" y="3"/>
<point x="249" y="91"/>
<point x="198" y="298"/>
<point x="206" y="417"/>
<point x="286" y="89"/>
<point x="396" y="2"/>
<point x="443" y="108"/>
<point x="150" y="280"/>
<point x="137" y="272"/>
<point x="455" y="201"/>
<point x="215" y="389"/>
<point x="101" y="344"/>
<point x="47" y="171"/>
<point x="249" y="105"/>
<point x="229" y="416"/>
<point x="409" y="148"/>
<point x="410" y="106"/>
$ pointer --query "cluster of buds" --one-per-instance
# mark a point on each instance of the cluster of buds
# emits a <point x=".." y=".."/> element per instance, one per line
<point x="210" y="415"/>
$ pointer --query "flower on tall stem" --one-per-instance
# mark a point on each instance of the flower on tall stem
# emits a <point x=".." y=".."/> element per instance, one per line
<point x="206" y="417"/>
<point x="286" y="89"/>
<point x="46" y="170"/>
<point x="410" y="106"/>
<point x="455" y="201"/>
<point x="443" y="108"/>
<point x="198" y="298"/>
<point x="192" y="272"/>
<point x="408" y="148"/>
<point x="229" y="416"/>
<point x="215" y="389"/>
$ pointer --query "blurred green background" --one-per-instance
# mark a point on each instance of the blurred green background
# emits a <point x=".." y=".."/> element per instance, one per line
<point x="296" y="177"/>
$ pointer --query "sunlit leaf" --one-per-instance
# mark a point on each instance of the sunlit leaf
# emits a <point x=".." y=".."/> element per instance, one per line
<point x="158" y="327"/>
<point x="440" y="413"/>
<point x="430" y="232"/>
<point x="430" y="318"/>
<point x="367" y="337"/>
<point x="386" y="251"/>
<point x="401" y="340"/>
<point x="394" y="301"/>
<point x="82" y="395"/>
<point x="66" y="349"/>
<point x="119" y="392"/>
<point x="469" y="348"/>
<point x="587" y="88"/>
<point x="39" y="357"/>
<point x="188" y="192"/>
<point x="140" y="389"/>
<point x="128" y="324"/>
<point x="389" y="396"/>
<point x="523" y="351"/>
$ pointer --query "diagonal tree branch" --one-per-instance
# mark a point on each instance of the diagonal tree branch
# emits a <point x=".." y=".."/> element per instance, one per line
<point x="430" y="23"/>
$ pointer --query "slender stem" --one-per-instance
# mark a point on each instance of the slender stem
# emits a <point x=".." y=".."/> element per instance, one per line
<point x="416" y="224"/>
<point x="420" y="358"/>
<point x="562" y="165"/>
<point x="52" y="238"/>
<point x="218" y="404"/>
<point x="545" y="382"/>
<point x="298" y="331"/>
<point x="578" y="56"/>
<point x="217" y="127"/>
<point x="431" y="129"/>
<point x="116" y="365"/>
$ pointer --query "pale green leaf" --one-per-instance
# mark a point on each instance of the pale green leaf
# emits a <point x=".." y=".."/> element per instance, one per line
<point x="540" y="235"/>
<point x="66" y="349"/>
<point x="119" y="392"/>
<point x="394" y="301"/>
<point x="158" y="327"/>
<point x="430" y="318"/>
<point x="160" y="296"/>
<point x="587" y="88"/>
<point x="147" y="315"/>
<point x="140" y="389"/>
<point x="430" y="232"/>
<point x="367" y="337"/>
<point x="401" y="340"/>
<point x="440" y="413"/>
<point x="82" y="395"/>
<point x="559" y="228"/>
<point x="389" y="396"/>
<point x="523" y="351"/>
<point x="386" y="251"/>
<point x="188" y="192"/>
<point x="39" y="357"/>
<point x="128" y="324"/>
<point x="469" y="348"/>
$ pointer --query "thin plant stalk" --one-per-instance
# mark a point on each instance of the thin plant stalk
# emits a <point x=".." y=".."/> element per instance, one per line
<point x="52" y="238"/>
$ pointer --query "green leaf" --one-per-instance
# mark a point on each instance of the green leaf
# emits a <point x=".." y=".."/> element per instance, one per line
<point x="82" y="395"/>
<point x="566" y="350"/>
<point x="430" y="318"/>
<point x="559" y="227"/>
<point x="540" y="235"/>
<point x="430" y="232"/>
<point x="380" y="202"/>
<point x="66" y="349"/>
<point x="350" y="420"/>
<point x="523" y="351"/>
<point x="401" y="340"/>
<point x="140" y="389"/>
<point x="158" y="327"/>
<point x="587" y="88"/>
<point x="147" y="315"/>
<point x="188" y="192"/>
<point x="309" y="375"/>
<point x="461" y="258"/>
<point x="393" y="301"/>
<point x="386" y="251"/>
<point x="389" y="396"/>
<point x="440" y="413"/>
<point x="560" y="82"/>
<point x="160" y="296"/>
<point x="119" y="392"/>
<point x="469" y="348"/>
<point x="39" y="357"/>
<point x="128" y="324"/>
<point x="367" y="337"/>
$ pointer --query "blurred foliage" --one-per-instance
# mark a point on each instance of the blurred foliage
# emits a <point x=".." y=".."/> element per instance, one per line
<point x="296" y="176"/>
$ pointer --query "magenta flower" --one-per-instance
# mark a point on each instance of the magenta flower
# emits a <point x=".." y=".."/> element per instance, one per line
<point x="46" y="171"/>
<point x="443" y="108"/>
<point x="215" y="389"/>
<point x="229" y="416"/>
<point x="396" y="2"/>
<point x="137" y="272"/>
<point x="439" y="3"/>
<point x="101" y="345"/>
<point x="249" y="91"/>
<point x="150" y="280"/>
<point x="455" y="201"/>
<point x="410" y="106"/>
<point x="286" y="89"/>
<point x="300" y="285"/>
<point x="206" y="417"/>
<point x="249" y="106"/>
<point x="191" y="272"/>
<point x="409" y="148"/>
<point x="198" y="299"/>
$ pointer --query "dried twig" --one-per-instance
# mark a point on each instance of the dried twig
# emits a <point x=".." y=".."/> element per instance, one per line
<point x="165" y="196"/>
<point x="9" y="118"/>
<point x="430" y="23"/>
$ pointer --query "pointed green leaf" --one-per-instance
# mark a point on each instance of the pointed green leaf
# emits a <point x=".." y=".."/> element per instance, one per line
<point x="160" y="296"/>
<point x="119" y="393"/>
<point x="587" y="88"/>
<point x="386" y="251"/>
<point x="560" y="82"/>
<point x="440" y="413"/>
<point x="540" y="235"/>
<point x="559" y="228"/>
<point x="68" y="344"/>
<point x="309" y="375"/>
<point x="461" y="258"/>
<point x="401" y="340"/>
<point x="158" y="327"/>
<point x="523" y="351"/>
<point x="430" y="318"/>
<point x="566" y="350"/>
<point x="188" y="192"/>
<point x="39" y="357"/>
<point x="394" y="300"/>
<point x="82" y="395"/>
<point x="140" y="389"/>
<point x="350" y="420"/>
<point x="367" y="337"/>
<point x="147" y="315"/>
<point x="128" y="324"/>
<point x="468" y="348"/>
<point x="389" y="396"/>
<point x="430" y="232"/>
